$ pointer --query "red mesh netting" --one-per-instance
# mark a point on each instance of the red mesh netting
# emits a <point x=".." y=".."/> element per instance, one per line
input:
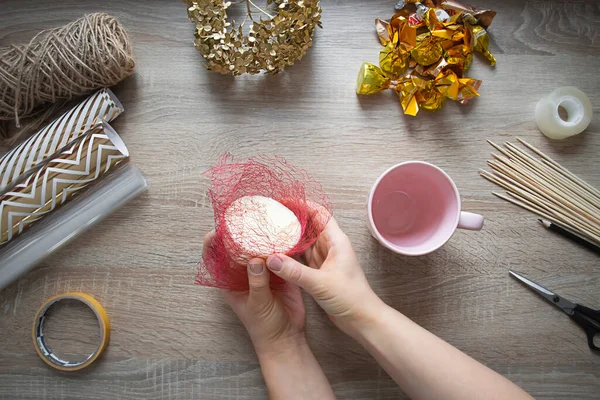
<point x="224" y="264"/>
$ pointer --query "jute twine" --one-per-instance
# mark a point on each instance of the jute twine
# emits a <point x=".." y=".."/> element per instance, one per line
<point x="57" y="65"/>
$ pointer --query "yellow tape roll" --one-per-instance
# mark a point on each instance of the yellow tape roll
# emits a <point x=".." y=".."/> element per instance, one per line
<point x="45" y="352"/>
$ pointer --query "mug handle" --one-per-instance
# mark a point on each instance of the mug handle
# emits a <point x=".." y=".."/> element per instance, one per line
<point x="470" y="221"/>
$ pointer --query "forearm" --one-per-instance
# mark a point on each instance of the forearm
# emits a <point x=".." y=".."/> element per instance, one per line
<point x="294" y="373"/>
<point x="425" y="366"/>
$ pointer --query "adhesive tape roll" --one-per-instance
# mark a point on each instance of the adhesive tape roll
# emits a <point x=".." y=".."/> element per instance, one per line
<point x="575" y="103"/>
<point x="46" y="353"/>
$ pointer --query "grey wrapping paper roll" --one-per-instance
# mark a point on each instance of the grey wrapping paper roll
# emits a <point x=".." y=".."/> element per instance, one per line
<point x="69" y="221"/>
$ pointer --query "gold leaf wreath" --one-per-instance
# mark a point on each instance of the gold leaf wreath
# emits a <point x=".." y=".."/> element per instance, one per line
<point x="271" y="44"/>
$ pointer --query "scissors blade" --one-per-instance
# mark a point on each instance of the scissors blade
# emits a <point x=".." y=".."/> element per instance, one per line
<point x="549" y="295"/>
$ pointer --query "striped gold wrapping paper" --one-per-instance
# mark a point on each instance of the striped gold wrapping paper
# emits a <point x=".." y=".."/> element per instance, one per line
<point x="57" y="180"/>
<point x="103" y="105"/>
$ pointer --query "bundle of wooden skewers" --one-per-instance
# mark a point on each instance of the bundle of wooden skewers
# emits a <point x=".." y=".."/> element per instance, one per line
<point x="544" y="187"/>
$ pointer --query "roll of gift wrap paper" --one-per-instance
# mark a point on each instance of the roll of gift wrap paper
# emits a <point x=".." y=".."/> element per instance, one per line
<point x="103" y="105"/>
<point x="64" y="224"/>
<point x="60" y="178"/>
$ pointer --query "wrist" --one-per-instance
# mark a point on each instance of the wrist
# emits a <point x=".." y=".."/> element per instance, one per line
<point x="285" y="363"/>
<point x="291" y="371"/>
<point x="282" y="349"/>
<point x="365" y="318"/>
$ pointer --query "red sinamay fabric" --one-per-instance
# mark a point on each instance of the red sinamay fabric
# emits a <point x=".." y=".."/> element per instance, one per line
<point x="258" y="176"/>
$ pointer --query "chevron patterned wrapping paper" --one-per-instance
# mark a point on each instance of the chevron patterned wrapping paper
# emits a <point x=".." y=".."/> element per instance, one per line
<point x="85" y="160"/>
<point x="103" y="105"/>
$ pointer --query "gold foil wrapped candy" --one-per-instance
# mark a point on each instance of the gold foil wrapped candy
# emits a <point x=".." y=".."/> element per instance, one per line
<point x="398" y="38"/>
<point x="428" y="68"/>
<point x="394" y="61"/>
<point x="383" y="31"/>
<point x="416" y="93"/>
<point x="407" y="89"/>
<point x="437" y="27"/>
<point x="447" y="84"/>
<point x="430" y="94"/>
<point x="401" y="33"/>
<point x="468" y="89"/>
<point x="459" y="55"/>
<point x="427" y="51"/>
<point x="371" y="79"/>
<point x="482" y="42"/>
<point x="432" y="70"/>
<point x="455" y="88"/>
<point x="479" y="17"/>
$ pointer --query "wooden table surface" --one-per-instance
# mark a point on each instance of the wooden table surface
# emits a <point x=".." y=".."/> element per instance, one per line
<point x="172" y="339"/>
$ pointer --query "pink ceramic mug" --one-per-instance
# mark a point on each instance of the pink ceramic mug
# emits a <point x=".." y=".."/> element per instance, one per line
<point x="414" y="208"/>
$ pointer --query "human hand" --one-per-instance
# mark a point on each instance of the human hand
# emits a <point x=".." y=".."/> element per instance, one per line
<point x="274" y="318"/>
<point x="333" y="278"/>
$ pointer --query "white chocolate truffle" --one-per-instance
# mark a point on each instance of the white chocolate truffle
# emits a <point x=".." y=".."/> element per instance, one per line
<point x="259" y="226"/>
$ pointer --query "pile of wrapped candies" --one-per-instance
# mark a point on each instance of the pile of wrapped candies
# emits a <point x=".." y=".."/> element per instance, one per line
<point x="426" y="53"/>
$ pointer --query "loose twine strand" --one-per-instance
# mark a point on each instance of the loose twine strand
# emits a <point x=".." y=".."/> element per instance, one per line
<point x="57" y="65"/>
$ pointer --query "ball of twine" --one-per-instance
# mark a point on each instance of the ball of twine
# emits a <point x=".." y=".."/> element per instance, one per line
<point x="59" y="64"/>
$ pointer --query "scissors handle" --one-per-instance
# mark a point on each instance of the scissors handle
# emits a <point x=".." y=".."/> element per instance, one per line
<point x="589" y="320"/>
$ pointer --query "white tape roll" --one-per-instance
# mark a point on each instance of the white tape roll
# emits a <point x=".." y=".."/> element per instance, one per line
<point x="575" y="103"/>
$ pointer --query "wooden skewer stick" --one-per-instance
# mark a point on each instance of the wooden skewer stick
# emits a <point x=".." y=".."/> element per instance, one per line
<point x="542" y="194"/>
<point x="562" y="218"/>
<point x="566" y="190"/>
<point x="559" y="167"/>
<point x="500" y="149"/>
<point x="549" y="204"/>
<point x="546" y="160"/>
<point x="544" y="170"/>
<point x="553" y="193"/>
<point x="544" y="187"/>
<point x="525" y="206"/>
<point x="543" y="214"/>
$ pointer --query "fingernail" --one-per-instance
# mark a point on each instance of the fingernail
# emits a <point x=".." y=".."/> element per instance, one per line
<point x="256" y="266"/>
<point x="274" y="263"/>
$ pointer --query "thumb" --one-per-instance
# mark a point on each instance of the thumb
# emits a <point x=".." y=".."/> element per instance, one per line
<point x="293" y="271"/>
<point x="258" y="281"/>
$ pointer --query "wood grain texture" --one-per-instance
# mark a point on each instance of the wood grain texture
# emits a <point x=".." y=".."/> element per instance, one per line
<point x="171" y="339"/>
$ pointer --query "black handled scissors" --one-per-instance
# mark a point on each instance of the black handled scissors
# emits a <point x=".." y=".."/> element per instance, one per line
<point x="587" y="318"/>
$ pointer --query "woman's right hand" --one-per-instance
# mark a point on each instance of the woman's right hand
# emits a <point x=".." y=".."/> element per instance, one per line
<point x="338" y="284"/>
<point x="333" y="278"/>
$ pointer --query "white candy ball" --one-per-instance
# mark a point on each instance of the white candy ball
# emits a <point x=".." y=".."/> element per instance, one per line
<point x="259" y="226"/>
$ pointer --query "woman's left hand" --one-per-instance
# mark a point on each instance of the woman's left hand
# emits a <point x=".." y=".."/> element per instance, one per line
<point x="274" y="318"/>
